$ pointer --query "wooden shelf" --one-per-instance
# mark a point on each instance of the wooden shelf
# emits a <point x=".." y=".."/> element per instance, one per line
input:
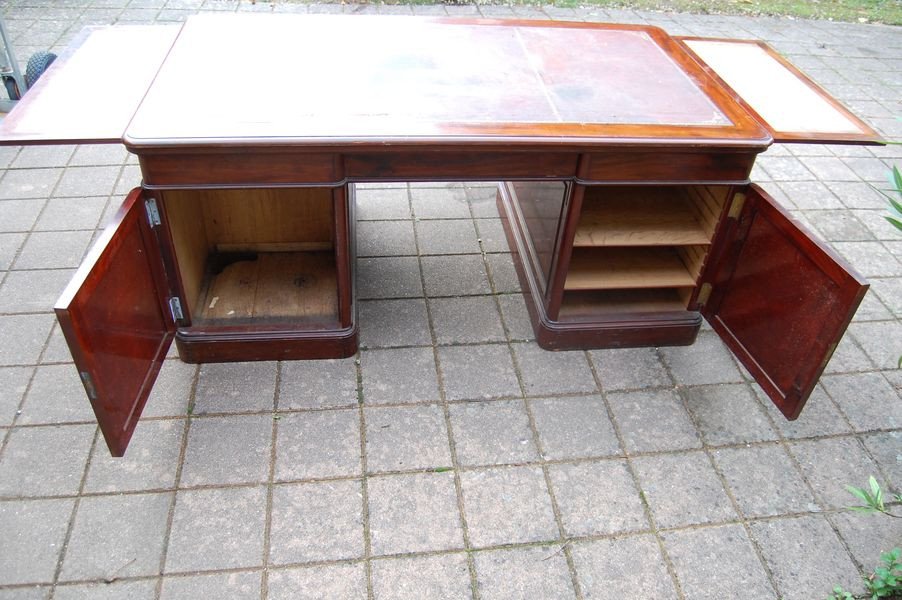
<point x="642" y="216"/>
<point x="627" y="268"/>
<point x="590" y="305"/>
<point x="269" y="286"/>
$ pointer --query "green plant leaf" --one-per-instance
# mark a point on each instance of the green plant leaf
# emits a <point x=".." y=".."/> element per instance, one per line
<point x="858" y="493"/>
<point x="895" y="222"/>
<point x="897" y="179"/>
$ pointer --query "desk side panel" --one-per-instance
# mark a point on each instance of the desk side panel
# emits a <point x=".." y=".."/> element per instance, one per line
<point x="89" y="93"/>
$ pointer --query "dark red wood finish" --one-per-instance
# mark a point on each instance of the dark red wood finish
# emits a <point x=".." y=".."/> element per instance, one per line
<point x="666" y="165"/>
<point x="781" y="301"/>
<point x="115" y="323"/>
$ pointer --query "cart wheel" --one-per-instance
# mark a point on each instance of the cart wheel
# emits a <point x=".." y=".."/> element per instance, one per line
<point x="12" y="90"/>
<point x="36" y="66"/>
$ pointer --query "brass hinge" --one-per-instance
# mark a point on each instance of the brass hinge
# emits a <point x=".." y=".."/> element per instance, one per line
<point x="175" y="308"/>
<point x="703" y="294"/>
<point x="89" y="384"/>
<point x="153" y="213"/>
<point x="736" y="206"/>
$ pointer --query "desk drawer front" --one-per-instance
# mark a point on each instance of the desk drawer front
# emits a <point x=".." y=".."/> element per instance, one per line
<point x="239" y="169"/>
<point x="663" y="166"/>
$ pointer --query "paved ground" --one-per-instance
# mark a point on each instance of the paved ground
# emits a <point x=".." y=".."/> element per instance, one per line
<point x="452" y="458"/>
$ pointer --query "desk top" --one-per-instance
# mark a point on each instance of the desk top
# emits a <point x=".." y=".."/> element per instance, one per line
<point x="340" y="79"/>
<point x="351" y="82"/>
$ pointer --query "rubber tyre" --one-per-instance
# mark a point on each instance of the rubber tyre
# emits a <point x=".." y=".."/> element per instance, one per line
<point x="36" y="66"/>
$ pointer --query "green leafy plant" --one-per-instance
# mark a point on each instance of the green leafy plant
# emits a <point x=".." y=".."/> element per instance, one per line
<point x="873" y="498"/>
<point x="895" y="207"/>
<point x="886" y="580"/>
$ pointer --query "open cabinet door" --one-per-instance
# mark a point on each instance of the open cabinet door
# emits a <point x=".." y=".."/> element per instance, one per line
<point x="778" y="95"/>
<point x="113" y="318"/>
<point x="780" y="300"/>
<point x="89" y="93"/>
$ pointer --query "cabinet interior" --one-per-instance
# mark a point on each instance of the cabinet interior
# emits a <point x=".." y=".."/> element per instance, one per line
<point x="640" y="248"/>
<point x="255" y="255"/>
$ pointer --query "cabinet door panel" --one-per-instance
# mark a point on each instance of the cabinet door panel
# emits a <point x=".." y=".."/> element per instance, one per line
<point x="114" y="321"/>
<point x="781" y="300"/>
<point x="782" y="98"/>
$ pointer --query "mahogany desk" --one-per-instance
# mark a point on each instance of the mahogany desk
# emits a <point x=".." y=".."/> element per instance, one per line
<point x="625" y="155"/>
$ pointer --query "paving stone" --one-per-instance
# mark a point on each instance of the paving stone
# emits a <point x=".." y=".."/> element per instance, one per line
<point x="399" y="375"/>
<point x="71" y="213"/>
<point x="629" y="368"/>
<point x="707" y="361"/>
<point x="19" y="215"/>
<point x="516" y="317"/>
<point x="874" y="340"/>
<point x="87" y="181"/>
<point x="385" y="323"/>
<point x="848" y="357"/>
<point x="683" y="489"/>
<point x="597" y="498"/>
<point x="553" y="372"/>
<point x="406" y="438"/>
<point x="318" y="383"/>
<point x="235" y="387"/>
<point x="316" y="521"/>
<point x="390" y="203"/>
<point x="572" y="428"/>
<point x="482" y="196"/>
<point x="117" y="536"/>
<point x="324" y="582"/>
<point x="13" y="382"/>
<point x="886" y="448"/>
<point x="867" y="399"/>
<point x="144" y="589"/>
<point x="171" y="391"/>
<point x="435" y="577"/>
<point x="651" y="421"/>
<point x="523" y="573"/>
<point x="128" y="180"/>
<point x="889" y="290"/>
<point x="32" y="157"/>
<point x="858" y="195"/>
<point x="716" y="563"/>
<point x="466" y="320"/>
<point x="806" y="195"/>
<point x="805" y="556"/>
<point x="876" y="225"/>
<point x="385" y="238"/>
<point x="507" y="505"/>
<point x="786" y="168"/>
<point x="33" y="532"/>
<point x="819" y="417"/>
<point x="149" y="463"/>
<point x="764" y="481"/>
<point x="318" y="444"/>
<point x="413" y="513"/>
<point x="45" y="461"/>
<point x="447" y="237"/>
<point x="491" y="235"/>
<point x="235" y="586"/>
<point x="9" y="247"/>
<point x="473" y="372"/>
<point x="32" y="291"/>
<point x="29" y="183"/>
<point x="389" y="277"/>
<point x="99" y="154"/>
<point x="492" y="433"/>
<point x="56" y="396"/>
<point x="223" y="450"/>
<point x="839" y="226"/>
<point x="866" y="536"/>
<point x="728" y="414"/>
<point x="871" y="259"/>
<point x="53" y="250"/>
<point x="455" y="275"/>
<point x="503" y="273"/>
<point x="830" y="465"/>
<point x="219" y="528"/>
<point x="22" y="337"/>
<point x="439" y="203"/>
<point x="828" y="168"/>
<point x="627" y="567"/>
